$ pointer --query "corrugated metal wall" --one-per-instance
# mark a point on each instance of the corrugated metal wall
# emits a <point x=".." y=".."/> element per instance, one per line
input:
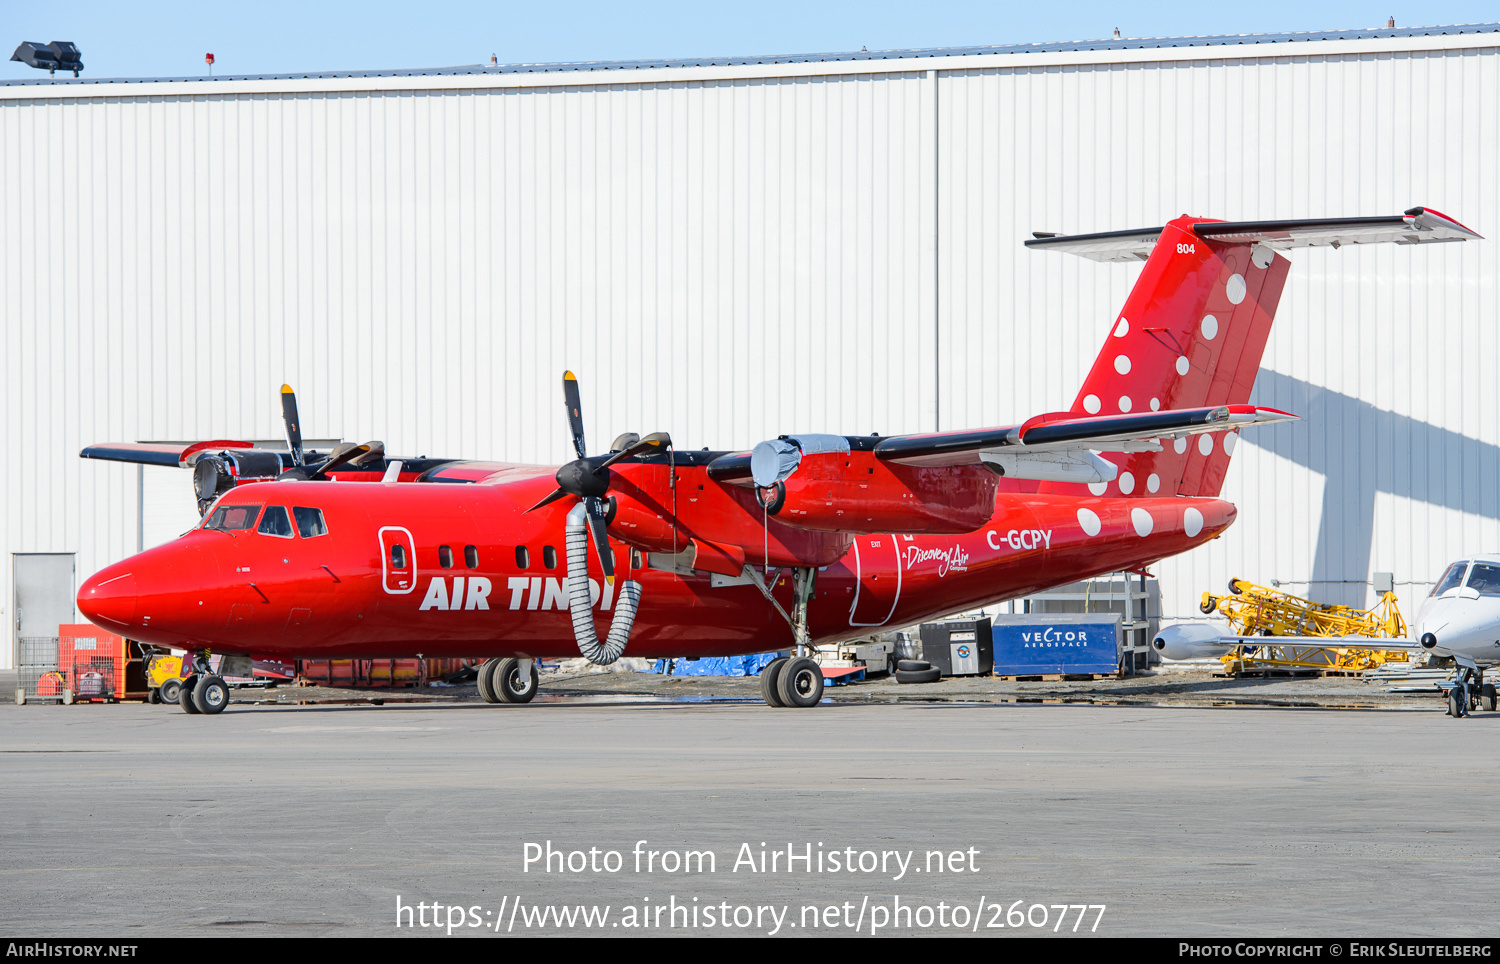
<point x="733" y="259"/>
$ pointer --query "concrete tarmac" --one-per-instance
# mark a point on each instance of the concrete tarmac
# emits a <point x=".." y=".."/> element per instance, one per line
<point x="136" y="820"/>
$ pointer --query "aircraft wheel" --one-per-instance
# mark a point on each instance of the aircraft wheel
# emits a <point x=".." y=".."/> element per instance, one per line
<point x="167" y="692"/>
<point x="509" y="685"/>
<point x="211" y="695"/>
<point x="1487" y="697"/>
<point x="800" y="683"/>
<point x="768" y="677"/>
<point x="185" y="694"/>
<point x="486" y="679"/>
<point x="1457" y="705"/>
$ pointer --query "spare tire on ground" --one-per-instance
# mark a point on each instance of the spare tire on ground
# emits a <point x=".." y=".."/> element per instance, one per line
<point x="930" y="675"/>
<point x="913" y="665"/>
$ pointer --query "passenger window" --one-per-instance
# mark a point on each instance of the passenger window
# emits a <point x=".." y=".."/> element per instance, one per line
<point x="549" y="557"/>
<point x="445" y="557"/>
<point x="309" y="521"/>
<point x="398" y="556"/>
<point x="275" y="523"/>
<point x="523" y="558"/>
<point x="471" y="557"/>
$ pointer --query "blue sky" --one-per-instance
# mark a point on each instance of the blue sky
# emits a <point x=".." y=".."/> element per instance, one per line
<point x="273" y="36"/>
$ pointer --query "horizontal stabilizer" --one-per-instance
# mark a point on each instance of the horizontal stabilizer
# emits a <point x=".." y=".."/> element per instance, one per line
<point x="1417" y="226"/>
<point x="1063" y="431"/>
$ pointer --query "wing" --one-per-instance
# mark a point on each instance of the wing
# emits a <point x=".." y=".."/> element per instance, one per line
<point x="1417" y="226"/>
<point x="158" y="453"/>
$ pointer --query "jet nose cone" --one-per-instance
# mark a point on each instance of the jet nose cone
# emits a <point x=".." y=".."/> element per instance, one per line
<point x="107" y="599"/>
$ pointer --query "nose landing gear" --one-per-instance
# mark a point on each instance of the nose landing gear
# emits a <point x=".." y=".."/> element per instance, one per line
<point x="203" y="692"/>
<point x="1467" y="691"/>
<point x="507" y="680"/>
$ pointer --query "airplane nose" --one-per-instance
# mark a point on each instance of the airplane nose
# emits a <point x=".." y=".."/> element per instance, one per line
<point x="107" y="599"/>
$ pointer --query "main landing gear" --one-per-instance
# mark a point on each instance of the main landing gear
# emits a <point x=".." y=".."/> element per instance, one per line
<point x="507" y="680"/>
<point x="793" y="680"/>
<point x="203" y="692"/>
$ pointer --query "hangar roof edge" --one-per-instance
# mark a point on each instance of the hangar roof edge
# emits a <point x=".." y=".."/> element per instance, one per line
<point x="926" y="53"/>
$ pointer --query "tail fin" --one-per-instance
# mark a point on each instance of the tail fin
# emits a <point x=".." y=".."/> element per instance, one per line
<point x="1193" y="330"/>
<point x="1191" y="335"/>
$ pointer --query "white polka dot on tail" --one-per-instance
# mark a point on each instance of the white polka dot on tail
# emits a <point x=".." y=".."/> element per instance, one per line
<point x="1210" y="327"/>
<point x="1153" y="482"/>
<point x="1234" y="289"/>
<point x="1180" y="444"/>
<point x="1089" y="521"/>
<point x="1182" y="365"/>
<point x="1141" y="519"/>
<point x="1205" y="443"/>
<point x="1098" y="488"/>
<point x="1091" y="404"/>
<point x="1125" y="403"/>
<point x="1155" y="404"/>
<point x="1192" y="522"/>
<point x="1122" y="329"/>
<point x="1122" y="364"/>
<point x="1229" y="440"/>
<point x="1127" y="483"/>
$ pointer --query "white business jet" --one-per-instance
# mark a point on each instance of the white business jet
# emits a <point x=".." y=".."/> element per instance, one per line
<point x="1459" y="620"/>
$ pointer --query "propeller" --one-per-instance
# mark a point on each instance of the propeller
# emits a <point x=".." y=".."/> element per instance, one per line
<point x="587" y="477"/>
<point x="293" y="423"/>
<point x="345" y="453"/>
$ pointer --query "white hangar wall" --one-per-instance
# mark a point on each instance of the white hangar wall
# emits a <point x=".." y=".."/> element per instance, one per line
<point x="733" y="252"/>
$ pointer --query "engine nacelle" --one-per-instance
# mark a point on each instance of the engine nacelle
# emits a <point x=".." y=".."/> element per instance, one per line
<point x="816" y="482"/>
<point x="217" y="472"/>
<point x="1191" y="641"/>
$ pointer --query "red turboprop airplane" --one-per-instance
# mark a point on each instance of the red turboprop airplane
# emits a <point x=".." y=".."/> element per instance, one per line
<point x="805" y="539"/>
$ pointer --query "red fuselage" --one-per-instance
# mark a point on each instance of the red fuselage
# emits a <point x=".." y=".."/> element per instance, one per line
<point x="483" y="577"/>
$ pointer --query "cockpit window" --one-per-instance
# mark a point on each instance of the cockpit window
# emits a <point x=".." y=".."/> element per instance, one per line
<point x="1484" y="579"/>
<point x="230" y="517"/>
<point x="1451" y="578"/>
<point x="309" y="522"/>
<point x="275" y="523"/>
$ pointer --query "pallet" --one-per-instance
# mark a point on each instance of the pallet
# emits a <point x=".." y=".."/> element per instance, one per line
<point x="1059" y="677"/>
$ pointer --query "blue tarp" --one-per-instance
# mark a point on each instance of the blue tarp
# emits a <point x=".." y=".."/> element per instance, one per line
<point x="716" y="665"/>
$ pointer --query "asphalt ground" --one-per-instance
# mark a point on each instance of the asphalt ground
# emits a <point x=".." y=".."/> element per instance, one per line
<point x="1187" y="807"/>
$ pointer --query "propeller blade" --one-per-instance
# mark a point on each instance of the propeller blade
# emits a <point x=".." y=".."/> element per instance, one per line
<point x="293" y="424"/>
<point x="575" y="413"/>
<point x="598" y="520"/>
<point x="557" y="493"/>
<point x="342" y="455"/>
<point x="374" y="452"/>
<point x="656" y="442"/>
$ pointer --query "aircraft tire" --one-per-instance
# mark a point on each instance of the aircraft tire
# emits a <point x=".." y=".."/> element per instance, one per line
<point x="930" y="675"/>
<point x="768" y="677"/>
<point x="486" y="679"/>
<point x="167" y="692"/>
<point x="211" y="695"/>
<point x="914" y="665"/>
<point x="1487" y="697"/>
<point x="185" y="694"/>
<point x="800" y="683"/>
<point x="1456" y="707"/>
<point x="508" y="684"/>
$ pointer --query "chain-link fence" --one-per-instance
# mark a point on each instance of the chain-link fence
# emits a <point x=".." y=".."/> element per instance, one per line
<point x="38" y="677"/>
